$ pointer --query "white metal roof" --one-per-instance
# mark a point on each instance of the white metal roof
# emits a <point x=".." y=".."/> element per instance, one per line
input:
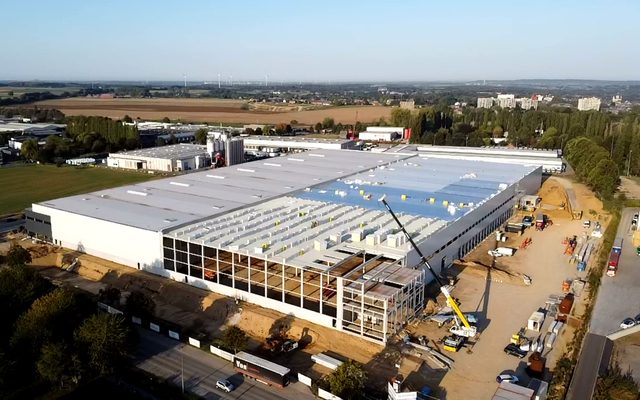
<point x="160" y="204"/>
<point x="170" y="152"/>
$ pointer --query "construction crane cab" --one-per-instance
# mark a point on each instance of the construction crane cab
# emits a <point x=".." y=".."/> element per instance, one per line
<point x="462" y="328"/>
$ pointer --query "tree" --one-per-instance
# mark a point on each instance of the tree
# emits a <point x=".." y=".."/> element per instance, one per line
<point x="328" y="123"/>
<point x="17" y="255"/>
<point x="348" y="380"/>
<point x="57" y="364"/>
<point x="318" y="127"/>
<point x="140" y="305"/>
<point x="10" y="93"/>
<point x="201" y="136"/>
<point x="400" y="117"/>
<point x="498" y="132"/>
<point x="30" y="150"/>
<point x="166" y="120"/>
<point x="50" y="318"/>
<point x="127" y="119"/>
<point x="19" y="288"/>
<point x="110" y="296"/>
<point x="235" y="339"/>
<point x="616" y="385"/>
<point x="106" y="339"/>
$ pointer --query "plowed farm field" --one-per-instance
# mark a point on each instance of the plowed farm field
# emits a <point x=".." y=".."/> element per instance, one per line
<point x="213" y="111"/>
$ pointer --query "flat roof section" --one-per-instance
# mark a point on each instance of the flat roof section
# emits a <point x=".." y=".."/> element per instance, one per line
<point x="456" y="186"/>
<point x="169" y="152"/>
<point x="188" y="198"/>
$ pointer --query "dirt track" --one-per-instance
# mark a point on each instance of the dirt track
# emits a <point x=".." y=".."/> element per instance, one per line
<point x="211" y="110"/>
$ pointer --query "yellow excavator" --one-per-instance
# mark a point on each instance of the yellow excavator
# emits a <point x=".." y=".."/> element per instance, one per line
<point x="461" y="329"/>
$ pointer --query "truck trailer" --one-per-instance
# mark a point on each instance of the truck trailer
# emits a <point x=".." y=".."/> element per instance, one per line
<point x="614" y="257"/>
<point x="261" y="370"/>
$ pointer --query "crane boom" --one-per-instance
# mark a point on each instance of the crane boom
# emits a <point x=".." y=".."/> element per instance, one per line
<point x="469" y="331"/>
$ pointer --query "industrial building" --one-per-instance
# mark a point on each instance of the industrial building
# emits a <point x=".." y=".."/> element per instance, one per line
<point x="171" y="158"/>
<point x="382" y="133"/>
<point x="550" y="160"/>
<point x="303" y="234"/>
<point x="288" y="143"/>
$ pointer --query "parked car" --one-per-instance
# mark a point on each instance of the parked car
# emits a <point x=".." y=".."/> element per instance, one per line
<point x="586" y="224"/>
<point x="527" y="221"/>
<point x="627" y="323"/>
<point x="507" y="378"/>
<point x="635" y="217"/>
<point x="514" y="350"/>
<point x="224" y="385"/>
<point x="637" y="319"/>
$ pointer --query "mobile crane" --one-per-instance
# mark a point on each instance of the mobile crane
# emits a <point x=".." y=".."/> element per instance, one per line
<point x="462" y="329"/>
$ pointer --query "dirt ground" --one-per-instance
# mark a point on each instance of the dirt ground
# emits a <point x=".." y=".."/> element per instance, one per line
<point x="501" y="301"/>
<point x="213" y="110"/>
<point x="630" y="187"/>
<point x="626" y="351"/>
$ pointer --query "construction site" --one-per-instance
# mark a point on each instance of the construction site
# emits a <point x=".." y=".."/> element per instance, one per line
<point x="299" y="271"/>
<point x="482" y="287"/>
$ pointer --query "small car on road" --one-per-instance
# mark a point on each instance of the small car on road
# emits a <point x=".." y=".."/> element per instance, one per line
<point x="224" y="385"/>
<point x="627" y="323"/>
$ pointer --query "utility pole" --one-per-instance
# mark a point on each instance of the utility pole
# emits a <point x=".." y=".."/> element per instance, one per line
<point x="182" y="370"/>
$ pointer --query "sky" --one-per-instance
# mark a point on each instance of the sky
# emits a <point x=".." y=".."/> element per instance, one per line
<point x="319" y="40"/>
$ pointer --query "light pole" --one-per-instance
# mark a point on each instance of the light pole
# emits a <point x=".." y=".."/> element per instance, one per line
<point x="182" y="370"/>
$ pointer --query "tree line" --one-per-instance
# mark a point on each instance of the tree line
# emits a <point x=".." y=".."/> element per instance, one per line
<point x="52" y="338"/>
<point x="84" y="135"/>
<point x="550" y="128"/>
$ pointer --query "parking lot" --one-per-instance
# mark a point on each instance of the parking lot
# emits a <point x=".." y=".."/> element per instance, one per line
<point x="618" y="296"/>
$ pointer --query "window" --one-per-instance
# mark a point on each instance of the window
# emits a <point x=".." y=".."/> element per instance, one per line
<point x="167" y="242"/>
<point x="168" y="264"/>
<point x="180" y="245"/>
<point x="195" y="249"/>
<point x="168" y="253"/>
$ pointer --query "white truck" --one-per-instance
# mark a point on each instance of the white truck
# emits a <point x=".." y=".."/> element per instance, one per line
<point x="502" y="251"/>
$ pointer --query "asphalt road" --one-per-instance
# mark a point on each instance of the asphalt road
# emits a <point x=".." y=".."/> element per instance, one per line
<point x="166" y="358"/>
<point x="618" y="296"/>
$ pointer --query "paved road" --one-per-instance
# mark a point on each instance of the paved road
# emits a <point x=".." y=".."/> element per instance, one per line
<point x="618" y="296"/>
<point x="165" y="357"/>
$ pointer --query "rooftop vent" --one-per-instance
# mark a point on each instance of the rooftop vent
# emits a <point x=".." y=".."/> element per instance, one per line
<point x="167" y="220"/>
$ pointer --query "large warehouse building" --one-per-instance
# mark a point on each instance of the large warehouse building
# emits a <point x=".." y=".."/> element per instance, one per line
<point x="304" y="234"/>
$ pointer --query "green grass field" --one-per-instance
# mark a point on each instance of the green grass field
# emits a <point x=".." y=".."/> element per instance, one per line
<point x="22" y="185"/>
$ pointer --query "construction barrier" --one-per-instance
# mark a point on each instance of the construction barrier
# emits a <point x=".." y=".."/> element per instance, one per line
<point x="221" y="353"/>
<point x="154" y="327"/>
<point x="323" y="394"/>
<point x="194" y="342"/>
<point x="136" y="320"/>
<point x="174" y="335"/>
<point x="304" y="379"/>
